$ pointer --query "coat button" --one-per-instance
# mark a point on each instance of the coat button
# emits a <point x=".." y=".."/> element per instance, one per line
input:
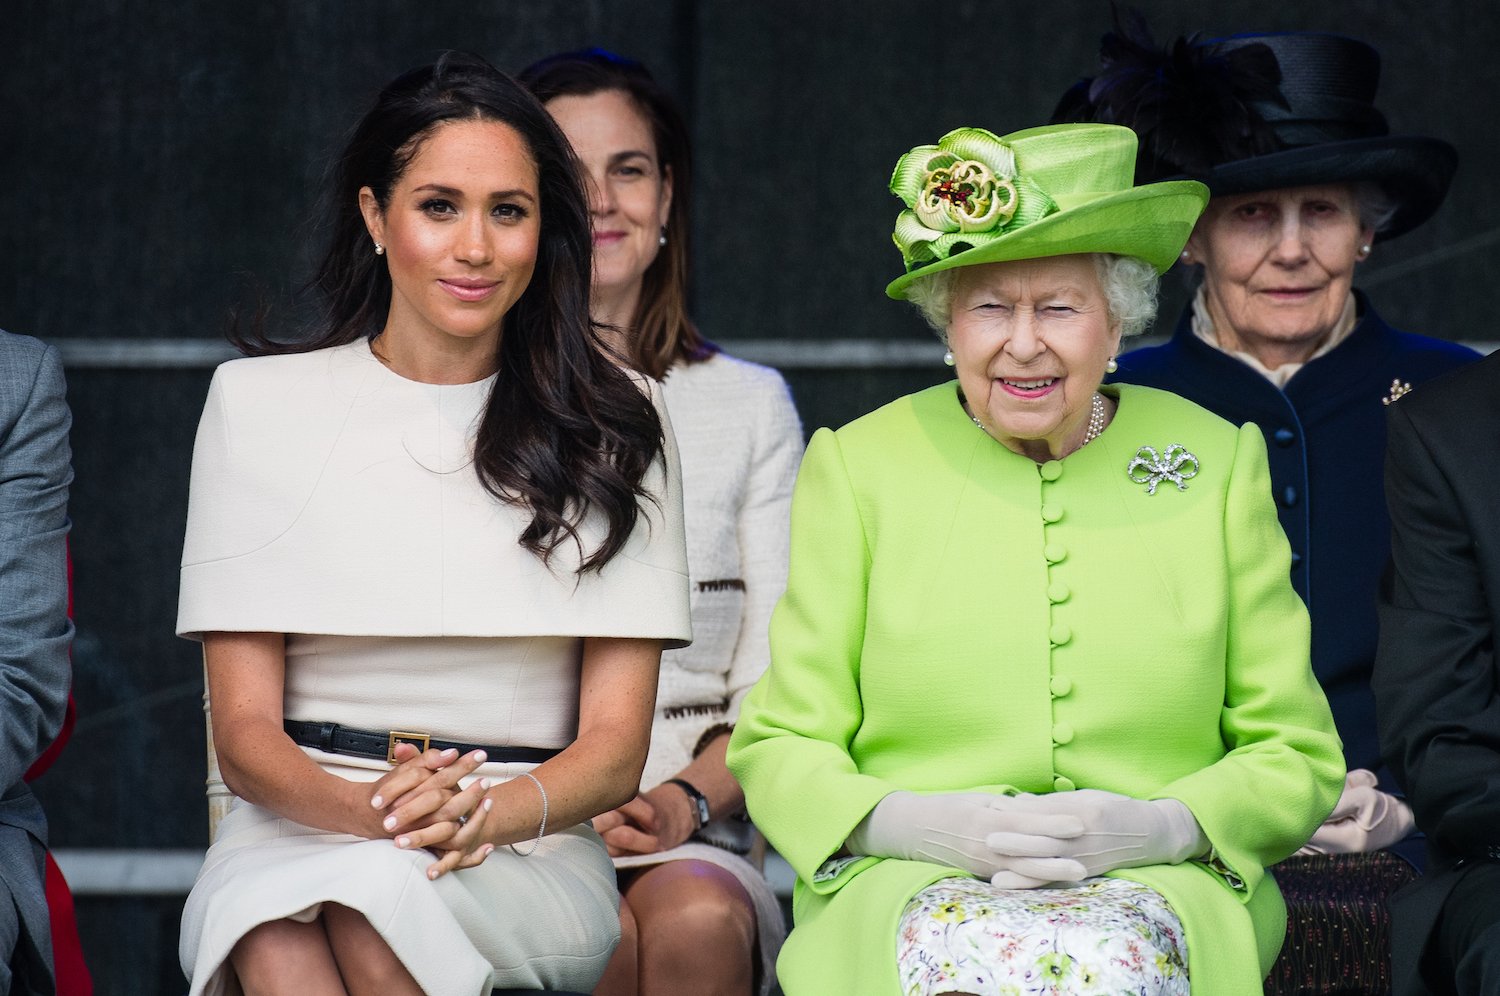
<point x="1284" y="436"/>
<point x="1060" y="633"/>
<point x="1051" y="512"/>
<point x="1288" y="496"/>
<point x="1057" y="592"/>
<point x="1062" y="733"/>
<point x="1062" y="783"/>
<point x="1051" y="470"/>
<point x="1061" y="685"/>
<point x="1054" y="552"/>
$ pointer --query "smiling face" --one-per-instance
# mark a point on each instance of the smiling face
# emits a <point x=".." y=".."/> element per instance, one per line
<point x="630" y="194"/>
<point x="1277" y="267"/>
<point x="460" y="232"/>
<point x="1030" y="339"/>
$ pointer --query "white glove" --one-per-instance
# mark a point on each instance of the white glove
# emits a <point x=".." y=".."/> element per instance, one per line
<point x="1118" y="832"/>
<point x="950" y="829"/>
<point x="1365" y="819"/>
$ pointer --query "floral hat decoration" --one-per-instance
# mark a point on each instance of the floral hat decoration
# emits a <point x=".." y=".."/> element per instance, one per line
<point x="980" y="198"/>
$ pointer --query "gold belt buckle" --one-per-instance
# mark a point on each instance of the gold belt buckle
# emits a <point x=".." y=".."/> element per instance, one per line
<point x="417" y="740"/>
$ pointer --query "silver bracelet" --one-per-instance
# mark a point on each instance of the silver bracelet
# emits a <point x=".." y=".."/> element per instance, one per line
<point x="541" y="831"/>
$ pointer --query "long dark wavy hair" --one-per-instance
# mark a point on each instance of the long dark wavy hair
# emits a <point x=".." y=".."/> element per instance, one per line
<point x="566" y="432"/>
<point x="662" y="333"/>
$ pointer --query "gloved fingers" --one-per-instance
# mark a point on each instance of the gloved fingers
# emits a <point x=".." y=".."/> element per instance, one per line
<point x="1025" y="845"/>
<point x="1087" y="805"/>
<point x="1363" y="777"/>
<point x="1351" y="801"/>
<point x="1374" y="808"/>
<point x="1046" y="869"/>
<point x="975" y="861"/>
<point x="1013" y="880"/>
<point x="1023" y="817"/>
<point x="1337" y="837"/>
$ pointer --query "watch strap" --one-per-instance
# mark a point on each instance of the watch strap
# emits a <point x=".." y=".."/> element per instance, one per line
<point x="698" y="799"/>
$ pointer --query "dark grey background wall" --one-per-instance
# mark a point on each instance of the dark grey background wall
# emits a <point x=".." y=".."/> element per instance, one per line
<point x="158" y="161"/>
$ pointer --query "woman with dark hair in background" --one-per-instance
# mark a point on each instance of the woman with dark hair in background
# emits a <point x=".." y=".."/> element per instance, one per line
<point x="696" y="916"/>
<point x="433" y="553"/>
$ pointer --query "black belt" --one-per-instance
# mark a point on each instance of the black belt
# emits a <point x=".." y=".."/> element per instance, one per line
<point x="364" y="743"/>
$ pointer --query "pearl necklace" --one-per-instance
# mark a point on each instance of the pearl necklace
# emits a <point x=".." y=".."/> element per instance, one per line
<point x="1097" y="416"/>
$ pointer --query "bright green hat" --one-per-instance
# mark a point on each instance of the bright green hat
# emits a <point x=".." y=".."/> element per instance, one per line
<point x="1050" y="191"/>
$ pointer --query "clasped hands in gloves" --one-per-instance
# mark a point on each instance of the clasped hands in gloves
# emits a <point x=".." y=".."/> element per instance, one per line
<point x="1365" y="819"/>
<point x="1027" y="841"/>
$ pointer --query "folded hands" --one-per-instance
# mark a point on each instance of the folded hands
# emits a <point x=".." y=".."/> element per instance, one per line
<point x="423" y="803"/>
<point x="1027" y="841"/>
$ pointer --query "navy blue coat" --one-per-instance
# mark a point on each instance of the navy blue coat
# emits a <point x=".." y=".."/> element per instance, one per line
<point x="1325" y="433"/>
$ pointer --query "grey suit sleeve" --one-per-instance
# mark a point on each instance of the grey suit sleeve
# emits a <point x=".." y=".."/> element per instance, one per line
<point x="1435" y="681"/>
<point x="34" y="627"/>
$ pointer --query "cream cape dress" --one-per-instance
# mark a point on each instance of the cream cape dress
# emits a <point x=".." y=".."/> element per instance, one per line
<point x="336" y="501"/>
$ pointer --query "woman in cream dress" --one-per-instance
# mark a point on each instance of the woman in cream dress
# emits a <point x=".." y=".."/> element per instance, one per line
<point x="433" y="555"/>
<point x="698" y="918"/>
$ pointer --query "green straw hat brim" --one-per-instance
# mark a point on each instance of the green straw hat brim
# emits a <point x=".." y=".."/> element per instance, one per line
<point x="1150" y="222"/>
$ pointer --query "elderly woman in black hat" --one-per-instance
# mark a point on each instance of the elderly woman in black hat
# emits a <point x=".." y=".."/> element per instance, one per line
<point x="1306" y="181"/>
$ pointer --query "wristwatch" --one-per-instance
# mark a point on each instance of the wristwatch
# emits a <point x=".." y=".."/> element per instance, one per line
<point x="698" y="799"/>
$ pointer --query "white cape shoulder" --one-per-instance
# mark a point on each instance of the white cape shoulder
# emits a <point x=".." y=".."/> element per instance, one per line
<point x="330" y="495"/>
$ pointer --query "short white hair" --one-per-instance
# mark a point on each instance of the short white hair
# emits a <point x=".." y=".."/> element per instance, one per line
<point x="1376" y="207"/>
<point x="1129" y="286"/>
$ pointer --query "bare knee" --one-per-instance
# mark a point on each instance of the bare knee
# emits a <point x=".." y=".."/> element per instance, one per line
<point x="365" y="960"/>
<point x="621" y="974"/>
<point x="692" y="905"/>
<point x="285" y="956"/>
<point x="630" y="931"/>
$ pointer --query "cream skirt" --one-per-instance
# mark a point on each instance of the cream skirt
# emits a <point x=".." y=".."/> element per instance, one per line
<point x="549" y="920"/>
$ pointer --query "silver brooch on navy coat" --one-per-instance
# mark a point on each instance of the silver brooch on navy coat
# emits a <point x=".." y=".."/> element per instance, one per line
<point x="1150" y="468"/>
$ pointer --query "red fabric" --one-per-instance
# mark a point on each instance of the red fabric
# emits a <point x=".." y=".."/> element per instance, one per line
<point x="72" y="973"/>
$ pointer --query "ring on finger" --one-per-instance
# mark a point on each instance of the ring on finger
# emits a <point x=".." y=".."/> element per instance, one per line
<point x="462" y="820"/>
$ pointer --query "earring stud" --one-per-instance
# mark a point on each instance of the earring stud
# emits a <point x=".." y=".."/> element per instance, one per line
<point x="379" y="249"/>
<point x="661" y="239"/>
<point x="1111" y="366"/>
<point x="948" y="358"/>
<point x="1364" y="250"/>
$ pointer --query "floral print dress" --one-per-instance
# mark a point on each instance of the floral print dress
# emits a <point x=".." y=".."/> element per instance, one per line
<point x="1101" y="936"/>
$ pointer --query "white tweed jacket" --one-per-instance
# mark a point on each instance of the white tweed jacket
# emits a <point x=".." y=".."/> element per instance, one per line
<point x="740" y="443"/>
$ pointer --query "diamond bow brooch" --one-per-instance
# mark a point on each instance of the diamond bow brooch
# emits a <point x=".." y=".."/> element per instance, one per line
<point x="1151" y="468"/>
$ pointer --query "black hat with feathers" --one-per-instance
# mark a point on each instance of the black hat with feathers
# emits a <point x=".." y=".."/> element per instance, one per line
<point x="1259" y="112"/>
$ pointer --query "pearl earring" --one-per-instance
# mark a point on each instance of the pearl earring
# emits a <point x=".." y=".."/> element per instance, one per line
<point x="1111" y="366"/>
<point x="661" y="240"/>
<point x="379" y="249"/>
<point x="1364" y="250"/>
<point x="948" y="358"/>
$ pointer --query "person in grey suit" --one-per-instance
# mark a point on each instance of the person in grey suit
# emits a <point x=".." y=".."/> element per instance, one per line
<point x="1437" y="677"/>
<point x="34" y="637"/>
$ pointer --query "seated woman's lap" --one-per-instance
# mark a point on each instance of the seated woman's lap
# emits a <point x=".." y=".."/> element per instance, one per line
<point x="1099" y="936"/>
<point x="264" y="868"/>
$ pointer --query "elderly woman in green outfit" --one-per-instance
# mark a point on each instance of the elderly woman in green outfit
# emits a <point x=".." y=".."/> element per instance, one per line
<point x="1039" y="712"/>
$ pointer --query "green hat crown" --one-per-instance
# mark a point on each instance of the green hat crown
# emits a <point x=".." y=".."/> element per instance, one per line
<point x="976" y="197"/>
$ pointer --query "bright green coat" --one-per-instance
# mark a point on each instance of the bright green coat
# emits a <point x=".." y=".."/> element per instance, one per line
<point x="959" y="618"/>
